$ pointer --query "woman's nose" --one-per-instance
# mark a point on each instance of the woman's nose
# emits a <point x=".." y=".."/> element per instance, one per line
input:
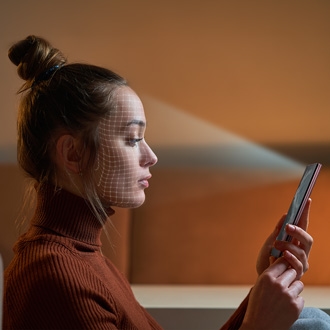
<point x="148" y="158"/>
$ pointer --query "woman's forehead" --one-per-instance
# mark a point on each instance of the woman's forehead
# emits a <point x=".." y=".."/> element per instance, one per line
<point x="127" y="109"/>
<point x="127" y="99"/>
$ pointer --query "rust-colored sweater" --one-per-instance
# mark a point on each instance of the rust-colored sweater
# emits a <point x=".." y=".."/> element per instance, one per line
<point x="59" y="278"/>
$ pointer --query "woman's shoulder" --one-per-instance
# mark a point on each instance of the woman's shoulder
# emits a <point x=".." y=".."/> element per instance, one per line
<point x="52" y="278"/>
<point x="47" y="258"/>
<point x="54" y="270"/>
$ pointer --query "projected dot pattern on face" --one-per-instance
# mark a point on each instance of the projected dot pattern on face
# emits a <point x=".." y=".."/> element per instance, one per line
<point x="124" y="157"/>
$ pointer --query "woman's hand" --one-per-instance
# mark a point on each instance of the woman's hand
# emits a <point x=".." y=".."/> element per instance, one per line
<point x="295" y="252"/>
<point x="274" y="302"/>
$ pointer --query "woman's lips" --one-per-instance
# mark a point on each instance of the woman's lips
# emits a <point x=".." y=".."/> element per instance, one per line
<point x="144" y="182"/>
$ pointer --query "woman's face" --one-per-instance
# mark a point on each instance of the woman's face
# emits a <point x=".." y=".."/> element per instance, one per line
<point x="124" y="157"/>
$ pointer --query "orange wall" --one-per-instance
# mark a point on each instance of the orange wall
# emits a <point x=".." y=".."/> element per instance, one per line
<point x="259" y="69"/>
<point x="199" y="227"/>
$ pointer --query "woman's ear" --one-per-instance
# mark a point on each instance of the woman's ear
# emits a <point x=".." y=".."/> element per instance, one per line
<point x="67" y="153"/>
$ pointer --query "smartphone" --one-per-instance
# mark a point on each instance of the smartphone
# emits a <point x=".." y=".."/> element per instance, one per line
<point x="298" y="203"/>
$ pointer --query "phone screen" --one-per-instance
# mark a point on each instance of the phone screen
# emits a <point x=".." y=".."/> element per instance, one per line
<point x="298" y="203"/>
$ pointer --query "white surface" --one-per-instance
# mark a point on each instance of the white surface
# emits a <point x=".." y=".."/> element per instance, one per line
<point x="209" y="296"/>
<point x="190" y="307"/>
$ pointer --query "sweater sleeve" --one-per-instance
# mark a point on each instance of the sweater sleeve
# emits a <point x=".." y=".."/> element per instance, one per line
<point x="45" y="298"/>
<point x="235" y="321"/>
<point x="56" y="292"/>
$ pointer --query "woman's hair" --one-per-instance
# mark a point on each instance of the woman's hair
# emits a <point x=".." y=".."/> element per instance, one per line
<point x="58" y="97"/>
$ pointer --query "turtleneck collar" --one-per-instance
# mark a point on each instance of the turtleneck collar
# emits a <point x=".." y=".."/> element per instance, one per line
<point x="66" y="214"/>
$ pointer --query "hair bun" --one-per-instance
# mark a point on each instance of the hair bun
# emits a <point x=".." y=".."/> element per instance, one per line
<point x="33" y="56"/>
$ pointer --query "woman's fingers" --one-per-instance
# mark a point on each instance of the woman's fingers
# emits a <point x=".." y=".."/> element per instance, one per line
<point x="297" y="251"/>
<point x="295" y="263"/>
<point x="296" y="288"/>
<point x="304" y="219"/>
<point x="275" y="301"/>
<point x="301" y="237"/>
<point x="263" y="258"/>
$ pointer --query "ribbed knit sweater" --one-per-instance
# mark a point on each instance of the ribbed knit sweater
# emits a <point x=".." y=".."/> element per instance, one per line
<point x="59" y="279"/>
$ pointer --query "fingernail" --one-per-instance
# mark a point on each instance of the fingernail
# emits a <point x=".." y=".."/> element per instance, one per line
<point x="291" y="227"/>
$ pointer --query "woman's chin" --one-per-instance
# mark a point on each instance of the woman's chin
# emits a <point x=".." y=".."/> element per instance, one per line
<point x="130" y="203"/>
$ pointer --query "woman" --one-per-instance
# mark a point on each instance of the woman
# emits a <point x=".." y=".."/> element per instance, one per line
<point x="81" y="138"/>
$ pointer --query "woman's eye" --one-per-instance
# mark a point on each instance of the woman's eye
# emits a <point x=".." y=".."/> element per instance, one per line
<point x="134" y="142"/>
